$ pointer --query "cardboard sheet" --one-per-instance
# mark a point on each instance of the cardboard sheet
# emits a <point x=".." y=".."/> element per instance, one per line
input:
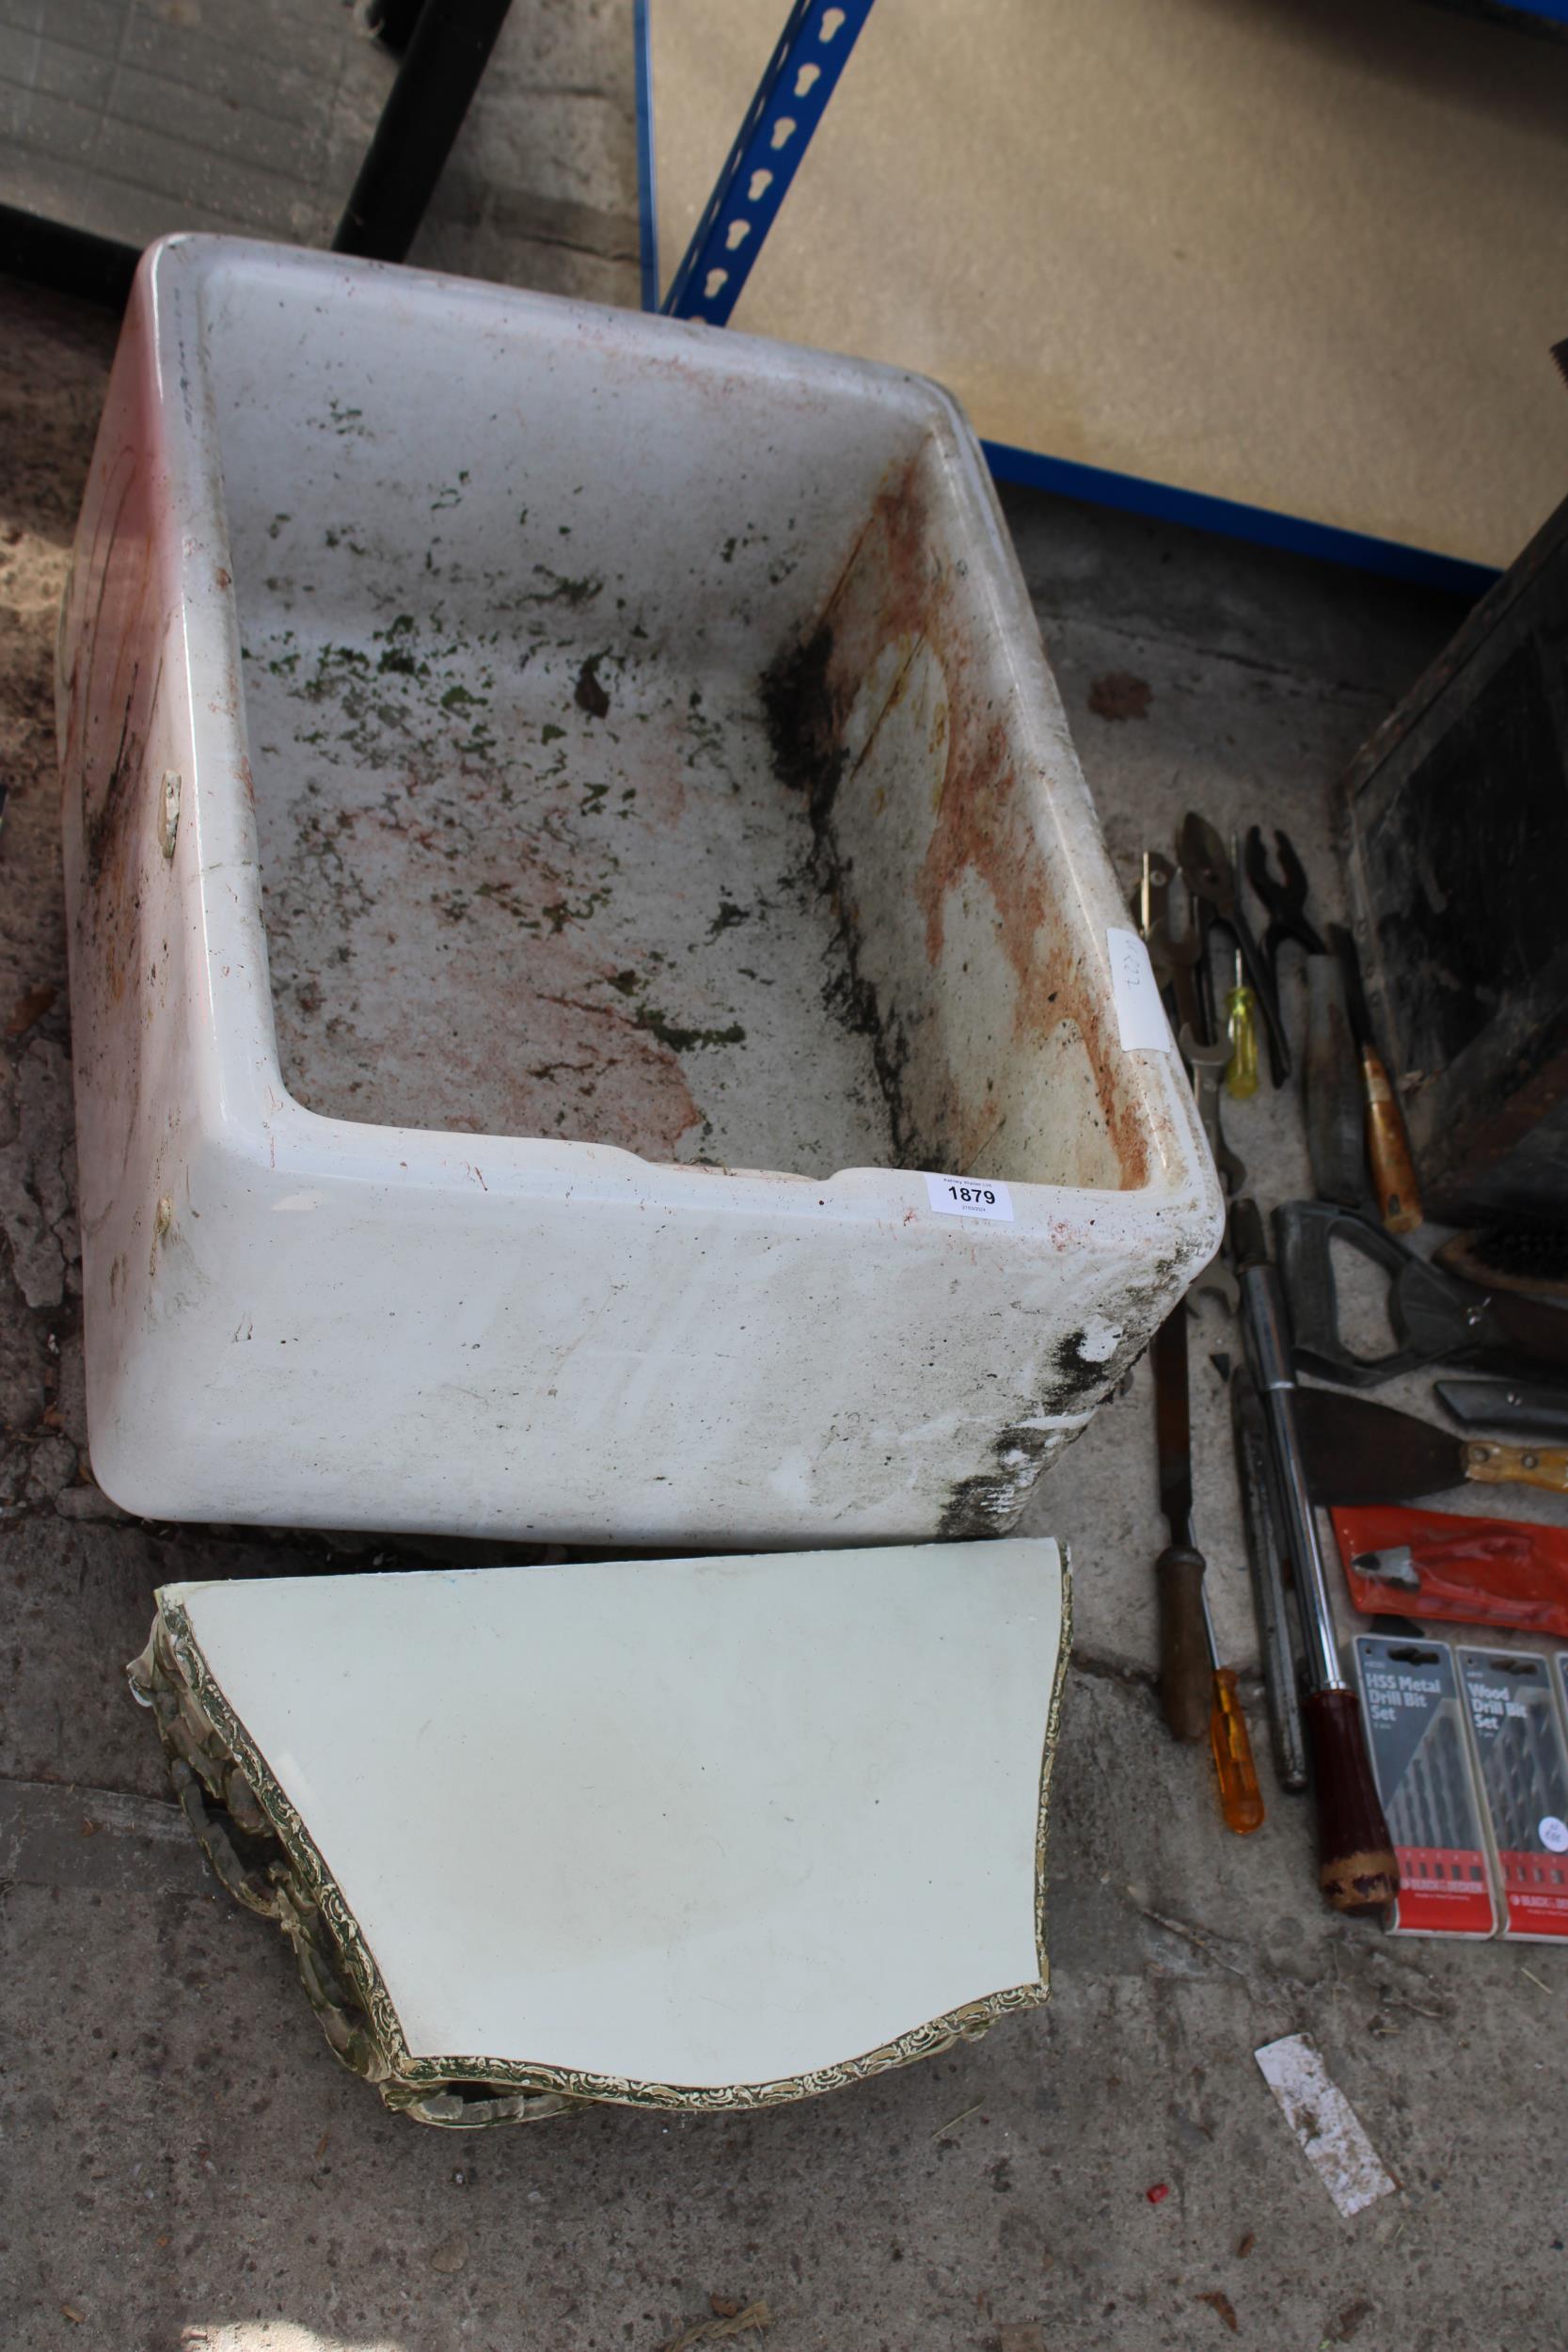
<point x="1308" y="257"/>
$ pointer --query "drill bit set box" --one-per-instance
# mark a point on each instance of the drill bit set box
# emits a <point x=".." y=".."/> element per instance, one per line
<point x="593" y="997"/>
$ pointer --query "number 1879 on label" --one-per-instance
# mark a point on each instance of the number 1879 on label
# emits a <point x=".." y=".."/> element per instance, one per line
<point x="970" y="1195"/>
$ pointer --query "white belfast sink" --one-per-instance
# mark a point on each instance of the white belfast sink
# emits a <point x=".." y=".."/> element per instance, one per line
<point x="569" y="837"/>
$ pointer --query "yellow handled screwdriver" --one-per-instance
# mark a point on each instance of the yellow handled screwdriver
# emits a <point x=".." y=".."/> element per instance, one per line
<point x="1240" y="1028"/>
<point x="1241" y="1799"/>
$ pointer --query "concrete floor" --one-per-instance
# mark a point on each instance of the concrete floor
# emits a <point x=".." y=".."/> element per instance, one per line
<point x="188" y="2166"/>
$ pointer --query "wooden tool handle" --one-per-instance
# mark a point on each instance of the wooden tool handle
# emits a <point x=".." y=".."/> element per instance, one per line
<point x="1184" y="1670"/>
<point x="1493" y="1464"/>
<point x="1357" y="1868"/>
<point x="1399" y="1198"/>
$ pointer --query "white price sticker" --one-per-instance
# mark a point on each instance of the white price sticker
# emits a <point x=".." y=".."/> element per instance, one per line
<point x="1553" y="1834"/>
<point x="970" y="1195"/>
<point x="1140" y="1015"/>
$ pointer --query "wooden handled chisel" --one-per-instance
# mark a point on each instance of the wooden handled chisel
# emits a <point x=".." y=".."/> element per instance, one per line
<point x="1399" y="1198"/>
<point x="1185" y="1671"/>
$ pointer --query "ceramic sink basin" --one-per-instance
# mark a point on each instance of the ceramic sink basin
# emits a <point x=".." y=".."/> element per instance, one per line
<point x="591" y="953"/>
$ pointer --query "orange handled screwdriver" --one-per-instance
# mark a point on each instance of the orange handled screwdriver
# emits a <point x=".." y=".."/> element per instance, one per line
<point x="1241" y="1799"/>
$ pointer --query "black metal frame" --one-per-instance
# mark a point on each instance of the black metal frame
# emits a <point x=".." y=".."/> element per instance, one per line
<point x="446" y="58"/>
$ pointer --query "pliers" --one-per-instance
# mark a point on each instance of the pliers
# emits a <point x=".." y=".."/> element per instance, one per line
<point x="1284" y="901"/>
<point x="1209" y="873"/>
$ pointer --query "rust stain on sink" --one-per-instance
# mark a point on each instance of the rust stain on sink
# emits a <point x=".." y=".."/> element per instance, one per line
<point x="896" y="603"/>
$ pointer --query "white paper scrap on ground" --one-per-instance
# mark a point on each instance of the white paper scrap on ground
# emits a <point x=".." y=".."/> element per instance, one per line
<point x="1325" y="2124"/>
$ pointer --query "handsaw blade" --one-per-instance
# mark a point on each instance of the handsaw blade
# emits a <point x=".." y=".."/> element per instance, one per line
<point x="1358" y="1452"/>
<point x="1172" y="1423"/>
